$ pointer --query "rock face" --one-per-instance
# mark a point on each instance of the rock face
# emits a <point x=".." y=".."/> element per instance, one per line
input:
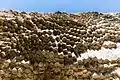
<point x="25" y="36"/>
<point x="109" y="45"/>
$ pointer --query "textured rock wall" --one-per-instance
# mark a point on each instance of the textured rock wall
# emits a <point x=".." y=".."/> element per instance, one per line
<point x="36" y="46"/>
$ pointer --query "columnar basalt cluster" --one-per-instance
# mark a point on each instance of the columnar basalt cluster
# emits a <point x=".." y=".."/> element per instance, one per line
<point x="25" y="36"/>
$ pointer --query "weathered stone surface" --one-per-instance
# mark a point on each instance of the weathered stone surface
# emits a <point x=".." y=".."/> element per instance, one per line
<point x="30" y="38"/>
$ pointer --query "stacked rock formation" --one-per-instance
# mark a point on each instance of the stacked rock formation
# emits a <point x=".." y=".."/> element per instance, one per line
<point x="25" y="36"/>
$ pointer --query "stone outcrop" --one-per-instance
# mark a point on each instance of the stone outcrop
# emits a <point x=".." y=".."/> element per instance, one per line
<point x="35" y="46"/>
